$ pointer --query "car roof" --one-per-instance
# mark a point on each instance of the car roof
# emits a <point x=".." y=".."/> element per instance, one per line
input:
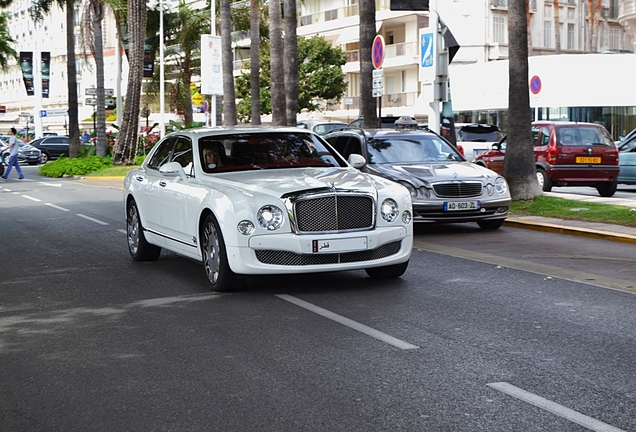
<point x="564" y="123"/>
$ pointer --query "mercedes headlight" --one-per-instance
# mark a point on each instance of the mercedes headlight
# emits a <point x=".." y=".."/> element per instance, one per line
<point x="410" y="187"/>
<point x="501" y="186"/>
<point x="270" y="217"/>
<point x="389" y="210"/>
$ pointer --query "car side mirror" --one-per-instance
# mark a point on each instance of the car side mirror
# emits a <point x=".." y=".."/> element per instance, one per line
<point x="173" y="169"/>
<point x="357" y="161"/>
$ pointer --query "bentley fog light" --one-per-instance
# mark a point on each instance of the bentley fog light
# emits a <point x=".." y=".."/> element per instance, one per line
<point x="270" y="217"/>
<point x="406" y="217"/>
<point x="245" y="227"/>
<point x="389" y="210"/>
<point x="501" y="186"/>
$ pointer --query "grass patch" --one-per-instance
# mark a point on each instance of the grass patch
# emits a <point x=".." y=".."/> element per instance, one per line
<point x="113" y="171"/>
<point x="561" y="208"/>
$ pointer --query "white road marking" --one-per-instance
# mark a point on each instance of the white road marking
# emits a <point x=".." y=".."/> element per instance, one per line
<point x="554" y="408"/>
<point x="57" y="207"/>
<point x="123" y="231"/>
<point x="51" y="184"/>
<point x="92" y="219"/>
<point x="31" y="198"/>
<point x="349" y="323"/>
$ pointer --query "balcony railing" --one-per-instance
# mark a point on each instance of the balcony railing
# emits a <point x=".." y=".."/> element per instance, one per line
<point x="329" y="15"/>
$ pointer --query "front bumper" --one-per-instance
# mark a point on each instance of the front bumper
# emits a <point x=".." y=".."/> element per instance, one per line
<point x="433" y="212"/>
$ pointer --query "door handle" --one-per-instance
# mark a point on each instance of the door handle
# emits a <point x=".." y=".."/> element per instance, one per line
<point x="162" y="183"/>
<point x="139" y="178"/>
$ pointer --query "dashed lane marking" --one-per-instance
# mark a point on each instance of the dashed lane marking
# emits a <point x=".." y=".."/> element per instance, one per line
<point x="553" y="407"/>
<point x="92" y="219"/>
<point x="56" y="207"/>
<point x="349" y="323"/>
<point x="31" y="198"/>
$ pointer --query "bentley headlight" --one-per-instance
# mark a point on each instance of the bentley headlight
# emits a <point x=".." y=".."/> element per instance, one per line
<point x="270" y="217"/>
<point x="501" y="186"/>
<point x="245" y="227"/>
<point x="389" y="210"/>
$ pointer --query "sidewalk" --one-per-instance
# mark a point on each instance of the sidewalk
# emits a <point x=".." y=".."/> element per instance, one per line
<point x="574" y="227"/>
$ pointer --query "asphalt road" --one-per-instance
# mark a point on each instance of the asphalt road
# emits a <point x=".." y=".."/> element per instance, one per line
<point x="486" y="331"/>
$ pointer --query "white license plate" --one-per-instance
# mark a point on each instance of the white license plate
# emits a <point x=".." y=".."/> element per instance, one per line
<point x="462" y="205"/>
<point x="339" y="245"/>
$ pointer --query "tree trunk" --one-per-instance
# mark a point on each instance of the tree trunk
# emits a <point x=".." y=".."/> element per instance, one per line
<point x="291" y="62"/>
<point x="128" y="134"/>
<point x="597" y="24"/>
<point x="97" y="12"/>
<point x="367" y="33"/>
<point x="529" y="25"/>
<point x="279" y="110"/>
<point x="255" y="63"/>
<point x="590" y="23"/>
<point x="71" y="73"/>
<point x="229" y="92"/>
<point x="557" y="28"/>
<point x="519" y="167"/>
<point x="187" y="101"/>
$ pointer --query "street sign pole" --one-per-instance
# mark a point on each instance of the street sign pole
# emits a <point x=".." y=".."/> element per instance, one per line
<point x="377" y="57"/>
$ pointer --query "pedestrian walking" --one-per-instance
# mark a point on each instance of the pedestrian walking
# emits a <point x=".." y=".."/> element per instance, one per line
<point x="13" y="155"/>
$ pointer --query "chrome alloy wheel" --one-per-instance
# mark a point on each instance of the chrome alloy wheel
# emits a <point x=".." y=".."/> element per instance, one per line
<point x="133" y="229"/>
<point x="211" y="252"/>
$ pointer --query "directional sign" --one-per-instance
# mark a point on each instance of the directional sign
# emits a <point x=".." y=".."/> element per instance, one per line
<point x="377" y="51"/>
<point x="54" y="112"/>
<point x="427" y="56"/>
<point x="93" y="92"/>
<point x="93" y="101"/>
<point x="377" y="92"/>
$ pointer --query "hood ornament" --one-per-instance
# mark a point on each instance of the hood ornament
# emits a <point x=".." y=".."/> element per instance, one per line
<point x="455" y="174"/>
<point x="332" y="186"/>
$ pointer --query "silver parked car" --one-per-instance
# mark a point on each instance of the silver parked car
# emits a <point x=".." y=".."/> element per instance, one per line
<point x="254" y="201"/>
<point x="444" y="186"/>
<point x="26" y="153"/>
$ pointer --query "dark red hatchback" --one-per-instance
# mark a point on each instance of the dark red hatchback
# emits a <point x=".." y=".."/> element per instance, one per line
<point x="567" y="154"/>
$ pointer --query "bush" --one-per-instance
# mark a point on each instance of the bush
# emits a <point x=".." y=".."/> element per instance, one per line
<point x="76" y="166"/>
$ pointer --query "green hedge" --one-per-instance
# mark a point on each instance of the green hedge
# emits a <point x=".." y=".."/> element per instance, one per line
<point x="76" y="166"/>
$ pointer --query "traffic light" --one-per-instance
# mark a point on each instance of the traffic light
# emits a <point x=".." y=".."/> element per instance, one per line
<point x="409" y="5"/>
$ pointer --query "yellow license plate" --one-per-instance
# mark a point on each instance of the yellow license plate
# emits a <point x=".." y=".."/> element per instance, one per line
<point x="589" y="160"/>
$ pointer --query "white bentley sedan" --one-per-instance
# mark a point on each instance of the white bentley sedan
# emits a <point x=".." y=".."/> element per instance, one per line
<point x="250" y="201"/>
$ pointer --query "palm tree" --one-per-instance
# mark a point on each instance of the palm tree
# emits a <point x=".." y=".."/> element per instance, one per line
<point x="255" y="65"/>
<point x="367" y="34"/>
<point x="519" y="168"/>
<point x="279" y="110"/>
<point x="127" y="140"/>
<point x="41" y="7"/>
<point x="229" y="93"/>
<point x="6" y="50"/>
<point x="183" y="29"/>
<point x="291" y="62"/>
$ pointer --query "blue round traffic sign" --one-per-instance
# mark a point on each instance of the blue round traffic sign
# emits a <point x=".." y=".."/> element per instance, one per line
<point x="377" y="51"/>
<point x="535" y="84"/>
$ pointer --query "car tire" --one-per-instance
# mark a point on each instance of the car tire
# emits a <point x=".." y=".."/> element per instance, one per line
<point x="387" y="272"/>
<point x="139" y="248"/>
<point x="44" y="158"/>
<point x="490" y="224"/>
<point x="544" y="181"/>
<point x="607" y="189"/>
<point x="214" y="255"/>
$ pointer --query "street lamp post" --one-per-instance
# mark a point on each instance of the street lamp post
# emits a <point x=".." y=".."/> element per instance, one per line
<point x="162" y="89"/>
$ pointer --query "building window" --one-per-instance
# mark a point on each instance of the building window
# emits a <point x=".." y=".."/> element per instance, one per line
<point x="547" y="34"/>
<point x="571" y="37"/>
<point x="614" y="39"/>
<point x="499" y="29"/>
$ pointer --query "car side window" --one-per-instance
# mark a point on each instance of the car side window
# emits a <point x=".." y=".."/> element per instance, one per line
<point x="535" y="135"/>
<point x="162" y="154"/>
<point x="545" y="136"/>
<point x="183" y="154"/>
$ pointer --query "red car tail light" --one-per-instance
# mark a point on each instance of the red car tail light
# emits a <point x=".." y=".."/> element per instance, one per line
<point x="461" y="149"/>
<point x="552" y="155"/>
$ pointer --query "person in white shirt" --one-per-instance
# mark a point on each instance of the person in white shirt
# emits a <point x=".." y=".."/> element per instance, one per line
<point x="13" y="155"/>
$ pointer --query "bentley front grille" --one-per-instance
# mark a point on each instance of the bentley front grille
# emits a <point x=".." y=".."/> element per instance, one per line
<point x="293" y="259"/>
<point x="334" y="213"/>
<point x="457" y="189"/>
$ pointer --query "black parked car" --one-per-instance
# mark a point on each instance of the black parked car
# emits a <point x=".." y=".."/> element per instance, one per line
<point x="444" y="187"/>
<point x="52" y="147"/>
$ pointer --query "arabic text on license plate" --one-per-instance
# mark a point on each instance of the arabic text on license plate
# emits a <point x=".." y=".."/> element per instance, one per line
<point x="462" y="205"/>
<point x="339" y="245"/>
<point x="591" y="160"/>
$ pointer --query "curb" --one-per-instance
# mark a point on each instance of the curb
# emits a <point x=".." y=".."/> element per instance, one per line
<point x="577" y="231"/>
